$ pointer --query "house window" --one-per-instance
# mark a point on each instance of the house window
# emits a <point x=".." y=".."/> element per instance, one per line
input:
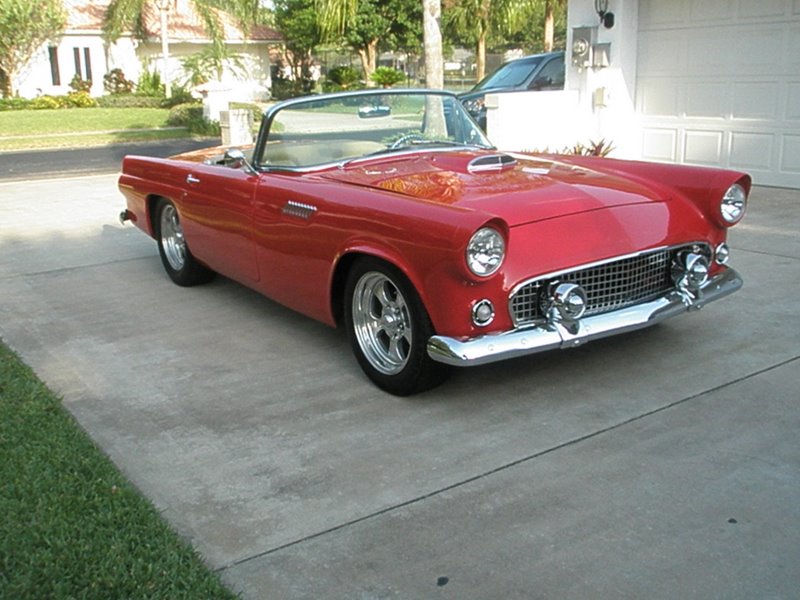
<point x="87" y="64"/>
<point x="55" y="74"/>
<point x="83" y="63"/>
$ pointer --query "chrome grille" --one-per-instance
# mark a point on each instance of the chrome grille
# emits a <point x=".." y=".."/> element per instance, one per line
<point x="609" y="286"/>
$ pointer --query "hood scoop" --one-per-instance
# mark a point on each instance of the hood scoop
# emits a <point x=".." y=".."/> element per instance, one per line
<point x="492" y="162"/>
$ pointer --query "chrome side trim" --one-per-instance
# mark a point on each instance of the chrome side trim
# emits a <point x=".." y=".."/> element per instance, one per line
<point x="519" y="342"/>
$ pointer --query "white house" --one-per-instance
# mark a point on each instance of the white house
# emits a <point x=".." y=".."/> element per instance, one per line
<point x="82" y="50"/>
<point x="706" y="82"/>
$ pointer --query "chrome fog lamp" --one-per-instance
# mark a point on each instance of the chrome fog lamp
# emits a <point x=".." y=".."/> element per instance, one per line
<point x="733" y="204"/>
<point x="485" y="251"/>
<point x="690" y="271"/>
<point x="483" y="313"/>
<point x="569" y="300"/>
<point x="722" y="254"/>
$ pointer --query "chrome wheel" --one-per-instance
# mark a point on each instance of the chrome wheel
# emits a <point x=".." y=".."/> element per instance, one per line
<point x="382" y="323"/>
<point x="172" y="239"/>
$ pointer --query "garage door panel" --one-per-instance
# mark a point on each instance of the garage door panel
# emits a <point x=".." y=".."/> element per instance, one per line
<point x="707" y="99"/>
<point x="659" y="14"/>
<point x="793" y="101"/>
<point x="658" y="96"/>
<point x="716" y="48"/>
<point x="663" y="53"/>
<point x="712" y="11"/>
<point x="762" y="8"/>
<point x="752" y="151"/>
<point x="790" y="154"/>
<point x="703" y="147"/>
<point x="756" y="51"/>
<point x="796" y="7"/>
<point x="660" y="145"/>
<point x="756" y="100"/>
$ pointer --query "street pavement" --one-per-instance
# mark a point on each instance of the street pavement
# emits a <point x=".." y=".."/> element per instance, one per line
<point x="661" y="464"/>
<point x="42" y="164"/>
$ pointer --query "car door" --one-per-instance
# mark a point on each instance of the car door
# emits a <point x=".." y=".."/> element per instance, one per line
<point x="550" y="76"/>
<point x="217" y="217"/>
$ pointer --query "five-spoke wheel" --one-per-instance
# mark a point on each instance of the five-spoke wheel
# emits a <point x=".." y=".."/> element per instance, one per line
<point x="389" y="329"/>
<point x="180" y="265"/>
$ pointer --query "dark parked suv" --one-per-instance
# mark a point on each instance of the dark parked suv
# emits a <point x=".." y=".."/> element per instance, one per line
<point x="537" y="72"/>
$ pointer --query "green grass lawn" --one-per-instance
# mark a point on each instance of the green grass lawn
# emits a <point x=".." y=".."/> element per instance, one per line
<point x="80" y="127"/>
<point x="70" y="525"/>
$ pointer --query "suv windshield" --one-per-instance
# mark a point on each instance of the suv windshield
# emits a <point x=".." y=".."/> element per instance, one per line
<point x="511" y="74"/>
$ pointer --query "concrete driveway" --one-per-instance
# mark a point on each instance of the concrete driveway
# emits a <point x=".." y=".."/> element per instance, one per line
<point x="660" y="464"/>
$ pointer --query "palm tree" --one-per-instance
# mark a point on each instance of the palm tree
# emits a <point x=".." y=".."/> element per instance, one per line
<point x="129" y="15"/>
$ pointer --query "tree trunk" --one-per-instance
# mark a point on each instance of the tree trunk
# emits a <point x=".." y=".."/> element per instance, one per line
<point x="5" y="83"/>
<point x="369" y="60"/>
<point x="434" y="59"/>
<point x="548" y="25"/>
<point x="480" y="59"/>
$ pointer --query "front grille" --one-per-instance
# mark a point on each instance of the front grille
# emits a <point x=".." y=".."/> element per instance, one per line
<point x="609" y="286"/>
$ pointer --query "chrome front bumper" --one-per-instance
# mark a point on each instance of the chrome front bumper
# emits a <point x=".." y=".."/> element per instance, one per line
<point x="519" y="342"/>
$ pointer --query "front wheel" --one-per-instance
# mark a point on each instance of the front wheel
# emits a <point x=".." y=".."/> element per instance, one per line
<point x="389" y="329"/>
<point x="180" y="265"/>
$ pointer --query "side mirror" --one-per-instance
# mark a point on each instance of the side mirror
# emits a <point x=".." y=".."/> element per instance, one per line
<point x="235" y="159"/>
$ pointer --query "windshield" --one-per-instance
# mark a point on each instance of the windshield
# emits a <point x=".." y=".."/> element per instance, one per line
<point x="511" y="74"/>
<point x="323" y="129"/>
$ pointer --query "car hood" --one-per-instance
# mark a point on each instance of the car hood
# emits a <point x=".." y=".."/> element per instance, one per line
<point x="527" y="190"/>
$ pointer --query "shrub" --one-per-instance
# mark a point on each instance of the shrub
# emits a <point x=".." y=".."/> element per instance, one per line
<point x="128" y="101"/>
<point x="80" y="85"/>
<point x="48" y="102"/>
<point x="15" y="104"/>
<point x="79" y="100"/>
<point x="190" y="115"/>
<point x="150" y="84"/>
<point x="180" y="95"/>
<point x="344" y="76"/>
<point x="387" y="76"/>
<point x="115" y="82"/>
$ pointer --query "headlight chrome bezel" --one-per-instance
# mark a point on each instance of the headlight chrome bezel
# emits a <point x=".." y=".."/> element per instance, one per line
<point x="485" y="252"/>
<point x="733" y="204"/>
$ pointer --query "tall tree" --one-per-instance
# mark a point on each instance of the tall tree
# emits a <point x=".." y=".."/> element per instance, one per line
<point x="297" y="22"/>
<point x="480" y="21"/>
<point x="25" y="25"/>
<point x="379" y="24"/>
<point x="129" y="15"/>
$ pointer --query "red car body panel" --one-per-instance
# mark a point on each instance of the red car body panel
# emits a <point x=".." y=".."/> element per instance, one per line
<point x="418" y="212"/>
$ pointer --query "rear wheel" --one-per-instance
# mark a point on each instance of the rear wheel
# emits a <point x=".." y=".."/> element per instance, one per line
<point x="180" y="265"/>
<point x="389" y="329"/>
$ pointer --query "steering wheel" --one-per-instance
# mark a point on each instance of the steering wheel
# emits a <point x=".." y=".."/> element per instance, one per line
<point x="405" y="139"/>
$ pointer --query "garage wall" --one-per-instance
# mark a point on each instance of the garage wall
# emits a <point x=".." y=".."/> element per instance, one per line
<point x="718" y="83"/>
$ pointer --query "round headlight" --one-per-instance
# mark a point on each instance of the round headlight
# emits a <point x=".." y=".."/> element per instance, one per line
<point x="733" y="204"/>
<point x="485" y="251"/>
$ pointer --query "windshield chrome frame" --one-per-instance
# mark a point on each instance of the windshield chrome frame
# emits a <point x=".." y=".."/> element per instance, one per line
<point x="269" y="116"/>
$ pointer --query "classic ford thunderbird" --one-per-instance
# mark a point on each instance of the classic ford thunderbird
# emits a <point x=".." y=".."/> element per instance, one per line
<point x="390" y="213"/>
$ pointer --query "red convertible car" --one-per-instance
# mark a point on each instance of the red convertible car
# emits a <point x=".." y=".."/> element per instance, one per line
<point x="390" y="213"/>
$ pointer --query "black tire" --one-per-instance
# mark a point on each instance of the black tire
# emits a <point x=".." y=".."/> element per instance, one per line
<point x="180" y="265"/>
<point x="389" y="329"/>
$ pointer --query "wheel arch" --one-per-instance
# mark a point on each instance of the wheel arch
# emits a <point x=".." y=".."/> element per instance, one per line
<point x="345" y="263"/>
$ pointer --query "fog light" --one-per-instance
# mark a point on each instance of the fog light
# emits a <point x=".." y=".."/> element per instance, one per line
<point x="722" y="253"/>
<point x="569" y="300"/>
<point x="690" y="271"/>
<point x="482" y="313"/>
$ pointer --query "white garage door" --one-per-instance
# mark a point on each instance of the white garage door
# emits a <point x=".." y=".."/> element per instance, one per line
<point x="718" y="83"/>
